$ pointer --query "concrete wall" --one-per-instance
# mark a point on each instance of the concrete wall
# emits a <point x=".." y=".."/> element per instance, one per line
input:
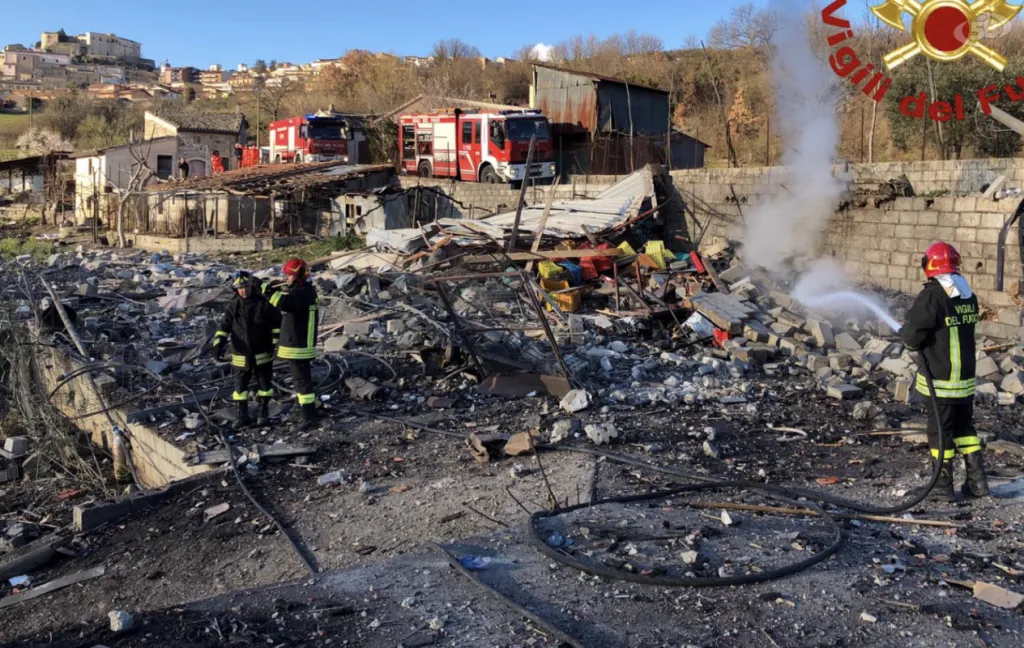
<point x="157" y="462"/>
<point x="883" y="245"/>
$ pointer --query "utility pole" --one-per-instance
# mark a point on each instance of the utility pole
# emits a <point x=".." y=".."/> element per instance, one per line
<point x="257" y="119"/>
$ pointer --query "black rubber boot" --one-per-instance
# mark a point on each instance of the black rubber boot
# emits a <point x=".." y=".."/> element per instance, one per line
<point x="309" y="418"/>
<point x="264" y="414"/>
<point x="242" y="419"/>
<point x="976" y="484"/>
<point x="943" y="491"/>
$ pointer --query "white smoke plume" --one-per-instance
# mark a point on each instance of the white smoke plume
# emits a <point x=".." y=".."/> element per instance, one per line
<point x="789" y="224"/>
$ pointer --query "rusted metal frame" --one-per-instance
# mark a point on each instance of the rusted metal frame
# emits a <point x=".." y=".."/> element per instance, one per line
<point x="459" y="333"/>
<point x="547" y="327"/>
<point x="522" y="194"/>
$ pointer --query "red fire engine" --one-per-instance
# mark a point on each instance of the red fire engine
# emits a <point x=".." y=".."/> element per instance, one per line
<point x="318" y="137"/>
<point x="477" y="147"/>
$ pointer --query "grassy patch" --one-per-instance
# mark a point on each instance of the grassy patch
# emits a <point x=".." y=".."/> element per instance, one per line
<point x="13" y="247"/>
<point x="309" y="251"/>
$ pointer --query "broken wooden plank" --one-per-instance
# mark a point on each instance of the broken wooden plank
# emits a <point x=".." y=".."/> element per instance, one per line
<point x="52" y="586"/>
<point x="274" y="451"/>
<point x="541" y="255"/>
<point x="142" y="416"/>
<point x="1000" y="447"/>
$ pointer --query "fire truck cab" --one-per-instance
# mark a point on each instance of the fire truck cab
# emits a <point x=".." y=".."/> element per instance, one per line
<point x="318" y="137"/>
<point x="476" y="147"/>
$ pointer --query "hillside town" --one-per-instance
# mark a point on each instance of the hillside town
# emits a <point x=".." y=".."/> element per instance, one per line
<point x="605" y="343"/>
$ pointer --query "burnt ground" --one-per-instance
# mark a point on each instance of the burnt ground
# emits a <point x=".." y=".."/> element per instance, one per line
<point x="371" y="541"/>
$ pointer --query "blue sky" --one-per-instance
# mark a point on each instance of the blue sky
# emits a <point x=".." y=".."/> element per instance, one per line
<point x="229" y="32"/>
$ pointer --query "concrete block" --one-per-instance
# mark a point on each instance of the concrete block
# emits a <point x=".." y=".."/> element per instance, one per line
<point x="902" y="390"/>
<point x="782" y="330"/>
<point x="844" y="392"/>
<point x="895" y="366"/>
<point x="359" y="329"/>
<point x="1013" y="383"/>
<point x="839" y="362"/>
<point x="822" y="333"/>
<point x="816" y="362"/>
<point x="16" y="446"/>
<point x="846" y="342"/>
<point x="95" y="514"/>
<point x="1007" y="399"/>
<point x="1011" y="316"/>
<point x="789" y="346"/>
<point x="986" y="367"/>
<point x="755" y="331"/>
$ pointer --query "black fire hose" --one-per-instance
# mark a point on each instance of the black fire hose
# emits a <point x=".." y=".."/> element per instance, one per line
<point x="784" y="493"/>
<point x="1001" y="249"/>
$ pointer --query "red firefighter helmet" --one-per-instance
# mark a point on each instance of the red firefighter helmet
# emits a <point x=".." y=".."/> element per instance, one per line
<point x="295" y="267"/>
<point x="940" y="258"/>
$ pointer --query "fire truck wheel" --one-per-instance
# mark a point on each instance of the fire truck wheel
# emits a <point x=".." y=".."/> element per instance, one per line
<point x="424" y="170"/>
<point x="298" y="158"/>
<point x="277" y="159"/>
<point x="489" y="175"/>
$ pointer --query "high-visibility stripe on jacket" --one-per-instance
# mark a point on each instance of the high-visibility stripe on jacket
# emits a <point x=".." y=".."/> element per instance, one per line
<point x="942" y="329"/>
<point x="249" y="325"/>
<point x="300" y="319"/>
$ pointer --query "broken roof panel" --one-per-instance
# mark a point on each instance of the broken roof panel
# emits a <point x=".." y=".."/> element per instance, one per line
<point x="262" y="180"/>
<point x="611" y="208"/>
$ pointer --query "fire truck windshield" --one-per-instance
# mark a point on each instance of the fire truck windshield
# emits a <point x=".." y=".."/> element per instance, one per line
<point x="326" y="130"/>
<point x="524" y="129"/>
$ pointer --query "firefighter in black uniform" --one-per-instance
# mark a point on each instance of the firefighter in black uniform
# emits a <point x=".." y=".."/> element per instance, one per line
<point x="252" y="325"/>
<point x="940" y="326"/>
<point x="300" y="316"/>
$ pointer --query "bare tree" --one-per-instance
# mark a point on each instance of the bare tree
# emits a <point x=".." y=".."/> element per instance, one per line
<point x="453" y="48"/>
<point x="879" y="42"/>
<point x="140" y="174"/>
<point x="747" y="27"/>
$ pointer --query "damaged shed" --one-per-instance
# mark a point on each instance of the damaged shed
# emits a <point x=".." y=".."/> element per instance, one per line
<point x="249" y="208"/>
<point x="604" y="125"/>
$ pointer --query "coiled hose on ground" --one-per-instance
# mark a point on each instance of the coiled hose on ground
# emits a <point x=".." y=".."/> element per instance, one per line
<point x="786" y="494"/>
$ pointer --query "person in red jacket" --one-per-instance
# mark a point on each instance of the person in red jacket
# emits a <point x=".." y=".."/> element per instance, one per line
<point x="216" y="163"/>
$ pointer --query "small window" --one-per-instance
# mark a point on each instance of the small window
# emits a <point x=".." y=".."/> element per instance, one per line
<point x="408" y="142"/>
<point x="164" y="166"/>
<point x="476" y="133"/>
<point x="467" y="132"/>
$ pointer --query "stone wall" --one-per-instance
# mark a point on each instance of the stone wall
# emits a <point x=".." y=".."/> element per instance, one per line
<point x="882" y="245"/>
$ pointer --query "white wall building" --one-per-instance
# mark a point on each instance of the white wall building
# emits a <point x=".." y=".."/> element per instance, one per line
<point x="105" y="172"/>
<point x="111" y="45"/>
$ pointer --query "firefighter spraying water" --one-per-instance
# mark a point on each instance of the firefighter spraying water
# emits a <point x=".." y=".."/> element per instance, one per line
<point x="940" y="328"/>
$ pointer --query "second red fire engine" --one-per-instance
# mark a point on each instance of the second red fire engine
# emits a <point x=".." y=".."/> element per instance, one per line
<point x="477" y="147"/>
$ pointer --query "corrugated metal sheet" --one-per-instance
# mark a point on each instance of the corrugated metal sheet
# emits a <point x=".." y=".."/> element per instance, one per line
<point x="580" y="102"/>
<point x="568" y="100"/>
<point x="611" y="208"/>
<point x="649" y="108"/>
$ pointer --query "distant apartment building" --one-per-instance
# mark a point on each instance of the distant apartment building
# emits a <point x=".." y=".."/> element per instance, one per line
<point x="320" y="65"/>
<point x="213" y="77"/>
<point x="172" y="75"/>
<point x="26" y="65"/>
<point x="417" y="61"/>
<point x="92" y="44"/>
<point x="242" y="81"/>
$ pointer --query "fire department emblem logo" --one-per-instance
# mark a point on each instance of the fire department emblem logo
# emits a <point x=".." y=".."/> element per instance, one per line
<point x="945" y="30"/>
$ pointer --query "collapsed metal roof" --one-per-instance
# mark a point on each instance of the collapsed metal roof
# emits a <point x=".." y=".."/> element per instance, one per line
<point x="611" y="208"/>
